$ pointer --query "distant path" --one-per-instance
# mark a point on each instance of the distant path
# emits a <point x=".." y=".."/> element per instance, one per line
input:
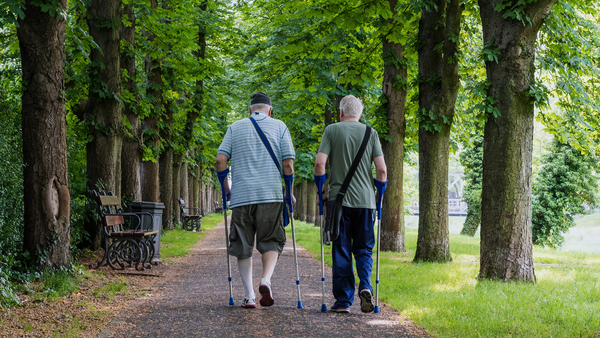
<point x="192" y="301"/>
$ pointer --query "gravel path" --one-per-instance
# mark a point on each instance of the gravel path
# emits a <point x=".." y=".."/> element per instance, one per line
<point x="192" y="301"/>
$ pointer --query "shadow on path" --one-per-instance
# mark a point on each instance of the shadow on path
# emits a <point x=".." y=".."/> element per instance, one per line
<point x="192" y="301"/>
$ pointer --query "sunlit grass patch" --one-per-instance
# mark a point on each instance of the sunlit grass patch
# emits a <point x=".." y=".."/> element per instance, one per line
<point x="449" y="301"/>
<point x="178" y="242"/>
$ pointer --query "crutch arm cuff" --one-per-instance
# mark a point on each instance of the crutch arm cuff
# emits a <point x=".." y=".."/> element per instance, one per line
<point x="320" y="182"/>
<point x="222" y="175"/>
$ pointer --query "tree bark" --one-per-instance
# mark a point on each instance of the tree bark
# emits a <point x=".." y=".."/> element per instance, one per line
<point x="103" y="110"/>
<point x="437" y="95"/>
<point x="177" y="168"/>
<point x="131" y="157"/>
<point x="150" y="169"/>
<point x="506" y="235"/>
<point x="303" y="206"/>
<point x="196" y="186"/>
<point x="183" y="188"/>
<point x="394" y="91"/>
<point x="45" y="171"/>
<point x="311" y="204"/>
<point x="193" y="203"/>
<point x="166" y="165"/>
<point x="297" y="206"/>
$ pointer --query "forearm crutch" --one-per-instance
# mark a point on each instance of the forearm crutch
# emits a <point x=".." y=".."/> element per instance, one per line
<point x="320" y="181"/>
<point x="380" y="189"/>
<point x="289" y="180"/>
<point x="222" y="175"/>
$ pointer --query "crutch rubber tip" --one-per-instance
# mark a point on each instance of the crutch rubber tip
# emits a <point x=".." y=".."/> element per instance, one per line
<point x="300" y="304"/>
<point x="323" y="308"/>
<point x="231" y="302"/>
<point x="376" y="309"/>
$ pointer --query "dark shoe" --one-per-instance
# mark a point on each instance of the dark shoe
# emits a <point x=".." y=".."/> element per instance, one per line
<point x="267" y="296"/>
<point x="366" y="301"/>
<point x="340" y="309"/>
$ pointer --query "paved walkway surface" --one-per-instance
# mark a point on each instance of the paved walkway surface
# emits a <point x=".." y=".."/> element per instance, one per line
<point x="192" y="301"/>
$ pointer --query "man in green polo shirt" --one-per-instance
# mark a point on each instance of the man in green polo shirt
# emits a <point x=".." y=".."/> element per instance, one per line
<point x="339" y="144"/>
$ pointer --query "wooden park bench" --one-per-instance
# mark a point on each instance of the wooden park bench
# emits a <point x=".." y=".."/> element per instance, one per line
<point x="190" y="222"/>
<point x="124" y="241"/>
<point x="218" y="207"/>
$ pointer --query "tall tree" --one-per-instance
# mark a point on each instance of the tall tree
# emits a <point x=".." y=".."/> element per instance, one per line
<point x="394" y="101"/>
<point x="131" y="156"/>
<point x="103" y="111"/>
<point x="41" y="35"/>
<point x="472" y="160"/>
<point x="150" y="167"/>
<point x="509" y="30"/>
<point x="439" y="29"/>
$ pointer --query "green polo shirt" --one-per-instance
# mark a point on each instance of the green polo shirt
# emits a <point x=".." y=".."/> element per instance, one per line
<point x="340" y="142"/>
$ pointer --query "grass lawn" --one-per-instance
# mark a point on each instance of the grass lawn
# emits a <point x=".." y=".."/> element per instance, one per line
<point x="178" y="242"/>
<point x="449" y="301"/>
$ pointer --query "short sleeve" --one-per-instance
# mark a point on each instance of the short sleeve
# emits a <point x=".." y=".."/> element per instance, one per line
<point x="287" y="147"/>
<point x="376" y="145"/>
<point x="226" y="145"/>
<point x="325" y="146"/>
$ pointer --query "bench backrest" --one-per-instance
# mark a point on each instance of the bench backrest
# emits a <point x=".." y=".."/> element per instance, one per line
<point x="182" y="207"/>
<point x="109" y="204"/>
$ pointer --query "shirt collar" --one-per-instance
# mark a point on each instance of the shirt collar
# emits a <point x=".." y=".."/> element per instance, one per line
<point x="259" y="115"/>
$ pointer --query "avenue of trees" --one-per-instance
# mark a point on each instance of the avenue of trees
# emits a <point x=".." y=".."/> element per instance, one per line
<point x="133" y="97"/>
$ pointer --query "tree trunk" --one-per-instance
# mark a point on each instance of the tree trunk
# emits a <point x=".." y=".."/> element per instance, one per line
<point x="472" y="221"/>
<point x="297" y="206"/>
<point x="177" y="168"/>
<point x="506" y="238"/>
<point x="311" y="204"/>
<point x="196" y="187"/>
<point x="437" y="95"/>
<point x="103" y="111"/>
<point x="150" y="169"/>
<point x="166" y="165"/>
<point x="193" y="203"/>
<point x="394" y="90"/>
<point x="303" y="206"/>
<point x="131" y="157"/>
<point x="184" y="191"/>
<point x="45" y="171"/>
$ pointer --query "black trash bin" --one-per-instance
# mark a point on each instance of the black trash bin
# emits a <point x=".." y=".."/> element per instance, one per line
<point x="156" y="210"/>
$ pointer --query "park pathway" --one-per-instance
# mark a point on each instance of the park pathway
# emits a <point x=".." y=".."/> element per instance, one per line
<point x="192" y="301"/>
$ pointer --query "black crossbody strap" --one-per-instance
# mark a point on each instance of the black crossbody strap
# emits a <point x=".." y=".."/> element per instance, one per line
<point x="354" y="165"/>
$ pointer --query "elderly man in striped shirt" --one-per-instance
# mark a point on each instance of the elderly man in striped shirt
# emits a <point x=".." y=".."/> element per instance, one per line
<point x="256" y="197"/>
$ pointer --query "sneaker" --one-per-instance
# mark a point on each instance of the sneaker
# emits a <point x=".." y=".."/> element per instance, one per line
<point x="340" y="309"/>
<point x="248" y="303"/>
<point x="267" y="296"/>
<point x="366" y="301"/>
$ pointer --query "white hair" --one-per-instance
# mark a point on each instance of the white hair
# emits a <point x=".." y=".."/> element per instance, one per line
<point x="351" y="105"/>
<point x="263" y="107"/>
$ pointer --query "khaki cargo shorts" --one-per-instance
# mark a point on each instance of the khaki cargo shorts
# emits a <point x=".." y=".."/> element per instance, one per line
<point x="263" y="220"/>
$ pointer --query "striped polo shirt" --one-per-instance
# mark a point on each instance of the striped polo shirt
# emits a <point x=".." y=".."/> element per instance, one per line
<point x="254" y="176"/>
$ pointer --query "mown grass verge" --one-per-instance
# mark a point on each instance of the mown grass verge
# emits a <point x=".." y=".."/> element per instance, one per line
<point x="178" y="242"/>
<point x="449" y="301"/>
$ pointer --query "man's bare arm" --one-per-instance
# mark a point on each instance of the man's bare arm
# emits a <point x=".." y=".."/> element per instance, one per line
<point x="222" y="165"/>
<point x="288" y="169"/>
<point x="380" y="169"/>
<point x="320" y="164"/>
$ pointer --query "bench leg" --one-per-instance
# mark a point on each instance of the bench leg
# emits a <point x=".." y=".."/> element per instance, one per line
<point x="131" y="252"/>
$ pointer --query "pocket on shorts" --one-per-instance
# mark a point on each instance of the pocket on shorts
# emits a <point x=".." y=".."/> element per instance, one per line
<point x="280" y="236"/>
<point x="233" y="235"/>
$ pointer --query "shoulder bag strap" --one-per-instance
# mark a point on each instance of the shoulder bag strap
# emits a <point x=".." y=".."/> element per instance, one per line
<point x="266" y="143"/>
<point x="354" y="165"/>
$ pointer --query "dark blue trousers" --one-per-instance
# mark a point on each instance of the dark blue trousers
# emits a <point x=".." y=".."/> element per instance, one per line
<point x="356" y="238"/>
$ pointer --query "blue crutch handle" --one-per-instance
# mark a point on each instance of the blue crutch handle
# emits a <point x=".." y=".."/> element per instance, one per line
<point x="222" y="175"/>
<point x="288" y="180"/>
<point x="380" y="190"/>
<point x="320" y="182"/>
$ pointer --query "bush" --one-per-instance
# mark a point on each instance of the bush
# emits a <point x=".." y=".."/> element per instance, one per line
<point x="564" y="184"/>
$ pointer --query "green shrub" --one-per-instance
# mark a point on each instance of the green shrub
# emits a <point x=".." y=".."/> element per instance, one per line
<point x="564" y="184"/>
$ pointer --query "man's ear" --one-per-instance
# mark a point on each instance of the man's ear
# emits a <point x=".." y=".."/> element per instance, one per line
<point x="250" y="110"/>
<point x="270" y="112"/>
